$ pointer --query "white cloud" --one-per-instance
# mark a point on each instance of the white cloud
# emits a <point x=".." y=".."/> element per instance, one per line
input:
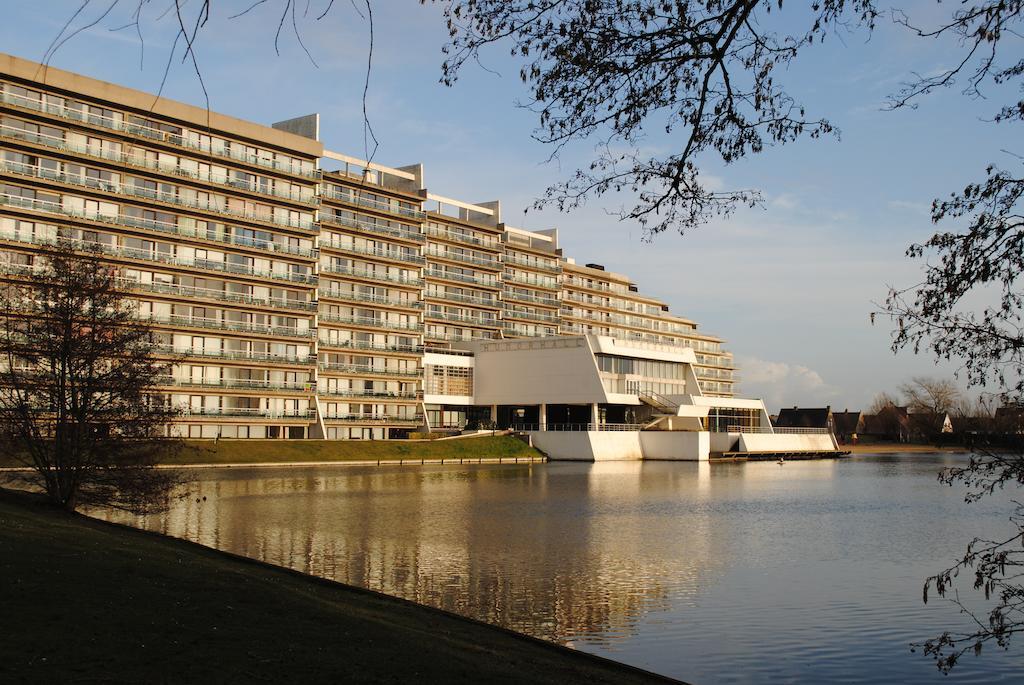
<point x="781" y="384"/>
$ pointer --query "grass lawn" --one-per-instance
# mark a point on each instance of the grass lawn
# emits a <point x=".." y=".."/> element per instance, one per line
<point x="290" y="451"/>
<point x="268" y="451"/>
<point x="90" y="601"/>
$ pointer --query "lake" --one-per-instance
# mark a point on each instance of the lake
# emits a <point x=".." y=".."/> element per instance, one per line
<point x="710" y="573"/>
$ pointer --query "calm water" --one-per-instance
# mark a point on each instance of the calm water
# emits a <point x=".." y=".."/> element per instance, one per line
<point x="809" y="572"/>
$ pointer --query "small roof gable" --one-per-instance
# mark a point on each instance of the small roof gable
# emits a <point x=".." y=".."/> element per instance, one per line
<point x="803" y="418"/>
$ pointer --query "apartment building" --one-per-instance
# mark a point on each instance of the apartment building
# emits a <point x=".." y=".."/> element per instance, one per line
<point x="299" y="290"/>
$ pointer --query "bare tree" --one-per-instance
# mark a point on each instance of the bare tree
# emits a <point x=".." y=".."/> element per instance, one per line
<point x="76" y="405"/>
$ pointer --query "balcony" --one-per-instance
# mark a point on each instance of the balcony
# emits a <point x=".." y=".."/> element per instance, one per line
<point x="553" y="267"/>
<point x="132" y="190"/>
<point x="370" y="346"/>
<point x="148" y="225"/>
<point x="366" y="274"/>
<point x="224" y="325"/>
<point x="353" y="296"/>
<point x="375" y="419"/>
<point x="461" y="318"/>
<point x="306" y="196"/>
<point x="491" y="302"/>
<point x="366" y="369"/>
<point x="463" y="258"/>
<point x="249" y="412"/>
<point x="352" y="197"/>
<point x="153" y="134"/>
<point x="222" y="295"/>
<point x="531" y="280"/>
<point x="534" y="299"/>
<point x="393" y="255"/>
<point x="372" y="227"/>
<point x="487" y="243"/>
<point x="236" y="384"/>
<point x="530" y="316"/>
<point x="234" y="355"/>
<point x="484" y="280"/>
<point x="371" y="322"/>
<point x="372" y="395"/>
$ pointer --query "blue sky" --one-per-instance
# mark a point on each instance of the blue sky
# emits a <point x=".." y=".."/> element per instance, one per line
<point x="789" y="285"/>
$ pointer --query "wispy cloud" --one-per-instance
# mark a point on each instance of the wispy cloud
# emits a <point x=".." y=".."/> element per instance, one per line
<point x="781" y="384"/>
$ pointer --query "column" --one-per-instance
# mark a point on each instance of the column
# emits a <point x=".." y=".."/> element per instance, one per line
<point x="542" y="417"/>
<point x="594" y="415"/>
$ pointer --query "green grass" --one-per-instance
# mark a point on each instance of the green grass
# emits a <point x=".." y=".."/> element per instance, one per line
<point x="290" y="451"/>
<point x="91" y="601"/>
<point x="269" y="451"/>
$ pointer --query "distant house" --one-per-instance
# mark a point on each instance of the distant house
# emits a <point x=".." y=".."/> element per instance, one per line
<point x="1010" y="418"/>
<point x="848" y="425"/>
<point x="930" y="425"/>
<point x="892" y="423"/>
<point x="798" y="417"/>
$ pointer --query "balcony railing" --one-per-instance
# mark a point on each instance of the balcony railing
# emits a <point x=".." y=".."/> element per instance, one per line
<point x="133" y="190"/>
<point x="370" y="370"/>
<point x="491" y="243"/>
<point x="249" y="411"/>
<point x="394" y="255"/>
<point x="372" y="227"/>
<point x="305" y="196"/>
<point x="49" y="207"/>
<point x="484" y="280"/>
<point x="370" y="395"/>
<point x="222" y="295"/>
<point x="553" y="267"/>
<point x="354" y="296"/>
<point x="236" y="384"/>
<point x="375" y="419"/>
<point x="530" y="316"/>
<point x="149" y="133"/>
<point x="531" y="280"/>
<point x="234" y="355"/>
<point x="578" y="427"/>
<point x="355" y="198"/>
<point x="372" y="322"/>
<point x="526" y="297"/>
<point x="461" y="318"/>
<point x="464" y="258"/>
<point x="372" y="346"/>
<point x="366" y="274"/>
<point x="225" y="325"/>
<point x="492" y="302"/>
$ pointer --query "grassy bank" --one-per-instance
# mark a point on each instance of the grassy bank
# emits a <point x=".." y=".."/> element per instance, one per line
<point x="293" y="451"/>
<point x="288" y="451"/>
<point x="85" y="600"/>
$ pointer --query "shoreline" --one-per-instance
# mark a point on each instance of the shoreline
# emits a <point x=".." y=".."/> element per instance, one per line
<point x="896" y="448"/>
<point x="202" y="613"/>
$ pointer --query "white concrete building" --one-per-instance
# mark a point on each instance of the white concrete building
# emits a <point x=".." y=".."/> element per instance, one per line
<point x="598" y="398"/>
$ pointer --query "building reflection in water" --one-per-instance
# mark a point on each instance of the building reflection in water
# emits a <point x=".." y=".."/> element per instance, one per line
<point x="566" y="552"/>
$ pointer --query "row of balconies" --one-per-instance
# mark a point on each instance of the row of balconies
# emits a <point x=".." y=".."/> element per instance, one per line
<point x="454" y="236"/>
<point x="354" y="198"/>
<point x="394" y="255"/>
<point x="372" y="227"/>
<point x="355" y="296"/>
<point x="486" y="280"/>
<point x="370" y="275"/>
<point x="434" y="251"/>
<point x="165" y="137"/>
<point x="152" y="255"/>
<point x="234" y="355"/>
<point x="222" y="295"/>
<point x="48" y="207"/>
<point x="526" y="297"/>
<point x="377" y="395"/>
<point x="250" y="412"/>
<point x="530" y="316"/>
<point x="460" y="318"/>
<point x="531" y="280"/>
<point x="373" y="322"/>
<point x="225" y="325"/>
<point x="370" y="370"/>
<point x="237" y="384"/>
<point x="133" y="190"/>
<point x="375" y="419"/>
<point x="305" y="196"/>
<point x="554" y="267"/>
<point x="492" y="302"/>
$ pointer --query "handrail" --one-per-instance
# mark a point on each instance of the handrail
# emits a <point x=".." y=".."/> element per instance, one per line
<point x="61" y="144"/>
<point x="166" y="137"/>
<point x="578" y="427"/>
